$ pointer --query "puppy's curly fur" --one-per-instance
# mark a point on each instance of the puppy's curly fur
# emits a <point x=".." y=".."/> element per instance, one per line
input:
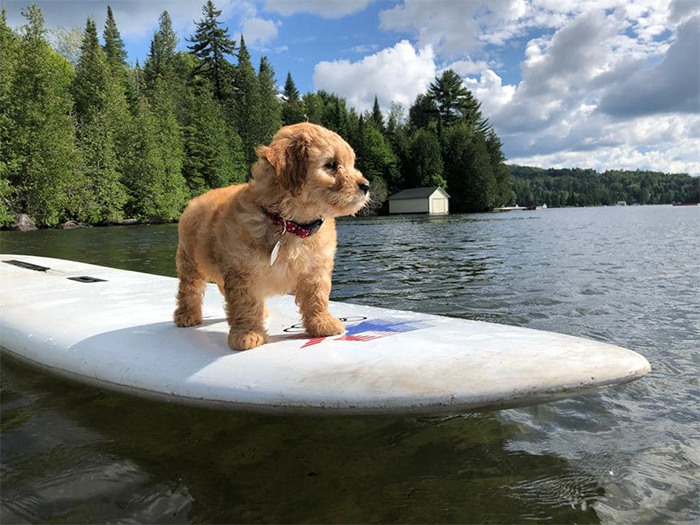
<point x="225" y="236"/>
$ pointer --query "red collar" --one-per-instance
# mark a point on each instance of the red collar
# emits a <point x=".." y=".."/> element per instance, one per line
<point x="300" y="230"/>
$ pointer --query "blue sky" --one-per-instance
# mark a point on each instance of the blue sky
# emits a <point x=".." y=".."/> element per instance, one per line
<point x="601" y="83"/>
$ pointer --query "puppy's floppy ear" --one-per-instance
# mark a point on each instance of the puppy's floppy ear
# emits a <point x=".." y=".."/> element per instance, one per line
<point x="288" y="157"/>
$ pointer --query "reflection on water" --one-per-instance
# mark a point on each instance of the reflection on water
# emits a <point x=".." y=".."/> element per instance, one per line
<point x="629" y="276"/>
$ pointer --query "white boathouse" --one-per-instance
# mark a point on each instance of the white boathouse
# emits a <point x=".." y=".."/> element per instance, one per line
<point x="432" y="200"/>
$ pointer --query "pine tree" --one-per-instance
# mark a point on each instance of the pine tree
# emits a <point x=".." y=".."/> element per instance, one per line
<point x="211" y="44"/>
<point x="335" y="114"/>
<point x="377" y="117"/>
<point x="503" y="192"/>
<point x="247" y="109"/>
<point x="378" y="164"/>
<point x="455" y="102"/>
<point x="468" y="169"/>
<point x="456" y="142"/>
<point x="424" y="113"/>
<point x="91" y="75"/>
<point x="157" y="187"/>
<point x="146" y="173"/>
<point x="313" y="106"/>
<point x="400" y="143"/>
<point x="425" y="161"/>
<point x="270" y="108"/>
<point x="114" y="45"/>
<point x="161" y="53"/>
<point x="174" y="194"/>
<point x="292" y="108"/>
<point x="104" y="128"/>
<point x="213" y="151"/>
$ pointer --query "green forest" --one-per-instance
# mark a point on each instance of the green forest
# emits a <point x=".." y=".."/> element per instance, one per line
<point x="586" y="187"/>
<point x="87" y="136"/>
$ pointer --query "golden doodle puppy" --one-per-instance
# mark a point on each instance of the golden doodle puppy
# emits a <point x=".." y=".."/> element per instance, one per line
<point x="272" y="235"/>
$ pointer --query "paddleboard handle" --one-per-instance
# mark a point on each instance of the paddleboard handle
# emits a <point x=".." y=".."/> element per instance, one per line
<point x="87" y="279"/>
<point x="28" y="266"/>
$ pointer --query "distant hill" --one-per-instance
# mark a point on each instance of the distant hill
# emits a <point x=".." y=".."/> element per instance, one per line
<point x="587" y="187"/>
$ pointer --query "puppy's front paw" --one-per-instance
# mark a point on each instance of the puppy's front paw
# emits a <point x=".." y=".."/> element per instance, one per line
<point x="324" y="326"/>
<point x="184" y="318"/>
<point x="246" y="340"/>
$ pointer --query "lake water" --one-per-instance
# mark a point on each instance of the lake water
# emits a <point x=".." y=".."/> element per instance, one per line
<point x="631" y="454"/>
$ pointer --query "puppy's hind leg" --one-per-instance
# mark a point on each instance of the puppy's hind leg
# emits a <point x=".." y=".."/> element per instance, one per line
<point x="190" y="291"/>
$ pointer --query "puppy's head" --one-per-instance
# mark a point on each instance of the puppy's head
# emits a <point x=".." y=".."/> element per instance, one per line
<point x="308" y="172"/>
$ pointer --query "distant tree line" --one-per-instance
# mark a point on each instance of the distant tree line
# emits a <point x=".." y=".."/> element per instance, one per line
<point x="86" y="136"/>
<point x="587" y="187"/>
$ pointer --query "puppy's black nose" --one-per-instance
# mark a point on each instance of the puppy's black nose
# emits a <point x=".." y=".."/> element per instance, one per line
<point x="364" y="187"/>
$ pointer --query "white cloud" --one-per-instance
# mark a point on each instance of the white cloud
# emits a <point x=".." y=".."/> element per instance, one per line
<point x="323" y="8"/>
<point x="468" y="66"/>
<point x="665" y="149"/>
<point x="397" y="74"/>
<point x="490" y="91"/>
<point x="258" y="31"/>
<point x="449" y="27"/>
<point x="673" y="85"/>
<point x="365" y="48"/>
<point x="589" y="97"/>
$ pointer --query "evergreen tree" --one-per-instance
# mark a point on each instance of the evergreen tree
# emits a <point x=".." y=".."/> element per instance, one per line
<point x="424" y="113"/>
<point x="135" y="87"/>
<point x="9" y="58"/>
<point x="425" y="161"/>
<point x="146" y="174"/>
<point x="456" y="141"/>
<point x="468" y="169"/>
<point x="38" y="132"/>
<point x="377" y="117"/>
<point x="354" y="136"/>
<point x="335" y="114"/>
<point x="247" y="108"/>
<point x="91" y="75"/>
<point x="211" y="44"/>
<point x="162" y="52"/>
<point x="114" y="45"/>
<point x="115" y="54"/>
<point x="292" y="108"/>
<point x="503" y="192"/>
<point x="398" y="138"/>
<point x="313" y="106"/>
<point x="101" y="166"/>
<point x="378" y="164"/>
<point x="270" y="108"/>
<point x="104" y="128"/>
<point x="455" y="102"/>
<point x="157" y="187"/>
<point x="213" y="151"/>
<point x="174" y="194"/>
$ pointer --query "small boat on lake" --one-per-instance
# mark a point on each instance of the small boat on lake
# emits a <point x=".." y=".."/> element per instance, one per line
<point x="511" y="208"/>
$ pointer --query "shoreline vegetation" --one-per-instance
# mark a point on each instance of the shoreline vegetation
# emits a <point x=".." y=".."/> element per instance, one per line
<point x="87" y="138"/>
<point x="24" y="223"/>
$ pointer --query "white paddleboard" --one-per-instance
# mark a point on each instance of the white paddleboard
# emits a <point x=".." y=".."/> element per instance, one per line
<point x="113" y="329"/>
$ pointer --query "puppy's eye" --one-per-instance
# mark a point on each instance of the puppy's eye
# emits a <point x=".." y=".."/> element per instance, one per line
<point x="331" y="165"/>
